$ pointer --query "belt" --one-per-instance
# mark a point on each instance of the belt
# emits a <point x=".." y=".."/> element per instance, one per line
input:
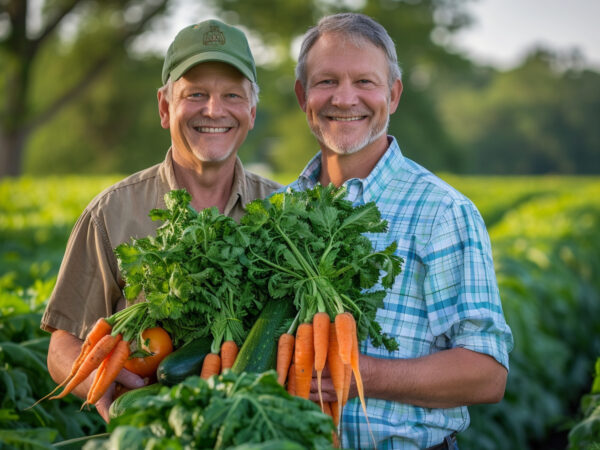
<point x="449" y="443"/>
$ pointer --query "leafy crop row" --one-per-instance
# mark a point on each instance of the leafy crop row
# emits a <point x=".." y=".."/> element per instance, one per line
<point x="24" y="376"/>
<point x="547" y="255"/>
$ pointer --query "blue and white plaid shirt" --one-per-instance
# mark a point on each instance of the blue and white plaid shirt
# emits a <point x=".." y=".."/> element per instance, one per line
<point x="446" y="296"/>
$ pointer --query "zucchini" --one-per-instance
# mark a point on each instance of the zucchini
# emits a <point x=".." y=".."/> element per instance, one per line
<point x="259" y="351"/>
<point x="183" y="362"/>
<point x="124" y="401"/>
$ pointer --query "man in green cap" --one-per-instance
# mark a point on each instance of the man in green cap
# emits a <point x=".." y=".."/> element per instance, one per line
<point x="208" y="103"/>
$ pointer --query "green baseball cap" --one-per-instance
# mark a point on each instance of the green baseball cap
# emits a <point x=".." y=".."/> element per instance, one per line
<point x="210" y="40"/>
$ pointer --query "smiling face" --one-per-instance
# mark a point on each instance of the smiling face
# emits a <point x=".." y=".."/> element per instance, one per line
<point x="209" y="114"/>
<point x="347" y="98"/>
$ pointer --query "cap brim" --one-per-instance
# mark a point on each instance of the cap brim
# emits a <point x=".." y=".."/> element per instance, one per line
<point x="192" y="61"/>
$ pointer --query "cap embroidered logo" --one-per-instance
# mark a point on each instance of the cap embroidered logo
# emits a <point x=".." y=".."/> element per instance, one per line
<point x="214" y="36"/>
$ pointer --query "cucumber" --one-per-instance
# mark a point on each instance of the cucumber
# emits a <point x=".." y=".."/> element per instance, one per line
<point x="183" y="362"/>
<point x="124" y="401"/>
<point x="259" y="351"/>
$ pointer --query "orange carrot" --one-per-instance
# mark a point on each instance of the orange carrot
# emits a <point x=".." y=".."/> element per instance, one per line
<point x="97" y="376"/>
<point x="291" y="380"/>
<point x="336" y="368"/>
<point x="331" y="412"/>
<point x="347" y="383"/>
<point x="285" y="352"/>
<point x="94" y="358"/>
<point x="229" y="351"/>
<point x="345" y="328"/>
<point x="358" y="378"/>
<point x="335" y="411"/>
<point x="321" y="323"/>
<point x="211" y="366"/>
<point x="304" y="356"/>
<point x="108" y="371"/>
<point x="100" y="329"/>
<point x="103" y="379"/>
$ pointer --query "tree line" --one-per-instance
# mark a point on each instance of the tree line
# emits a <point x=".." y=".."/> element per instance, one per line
<point x="76" y="98"/>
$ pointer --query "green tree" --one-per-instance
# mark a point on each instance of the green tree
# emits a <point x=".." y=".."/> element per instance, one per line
<point x="112" y="128"/>
<point x="537" y="118"/>
<point x="102" y="29"/>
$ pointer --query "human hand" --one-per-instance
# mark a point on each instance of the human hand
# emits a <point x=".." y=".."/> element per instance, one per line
<point x="127" y="381"/>
<point x="327" y="389"/>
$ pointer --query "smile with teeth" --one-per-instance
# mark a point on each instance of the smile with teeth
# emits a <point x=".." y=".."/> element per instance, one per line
<point x="212" y="129"/>
<point x="346" y="119"/>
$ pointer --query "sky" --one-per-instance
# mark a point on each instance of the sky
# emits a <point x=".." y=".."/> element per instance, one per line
<point x="505" y="29"/>
<point x="502" y="33"/>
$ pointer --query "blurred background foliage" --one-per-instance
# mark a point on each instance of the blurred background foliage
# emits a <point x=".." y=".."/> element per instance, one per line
<point x="78" y="91"/>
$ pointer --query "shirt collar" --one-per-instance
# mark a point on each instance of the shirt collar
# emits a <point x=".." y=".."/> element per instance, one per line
<point x="361" y="189"/>
<point x="239" y="190"/>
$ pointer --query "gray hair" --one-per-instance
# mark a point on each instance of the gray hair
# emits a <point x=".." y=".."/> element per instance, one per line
<point x="167" y="90"/>
<point x="359" y="28"/>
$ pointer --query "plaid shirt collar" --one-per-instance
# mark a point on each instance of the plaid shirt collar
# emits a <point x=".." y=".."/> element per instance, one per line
<point x="361" y="190"/>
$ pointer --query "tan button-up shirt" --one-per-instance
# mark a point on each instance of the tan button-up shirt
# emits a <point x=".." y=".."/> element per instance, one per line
<point x="89" y="283"/>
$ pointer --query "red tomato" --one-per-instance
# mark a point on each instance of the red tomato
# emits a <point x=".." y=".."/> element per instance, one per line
<point x="158" y="342"/>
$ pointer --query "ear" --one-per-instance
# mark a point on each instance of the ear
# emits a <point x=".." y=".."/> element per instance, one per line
<point x="300" y="95"/>
<point x="395" y="95"/>
<point x="252" y="117"/>
<point x="163" y="109"/>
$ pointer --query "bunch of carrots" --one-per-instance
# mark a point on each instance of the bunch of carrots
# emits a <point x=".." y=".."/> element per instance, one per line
<point x="217" y="361"/>
<point x="314" y="345"/>
<point x="105" y="348"/>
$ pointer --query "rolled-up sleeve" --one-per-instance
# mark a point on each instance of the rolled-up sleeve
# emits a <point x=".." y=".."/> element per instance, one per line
<point x="460" y="287"/>
<point x="87" y="285"/>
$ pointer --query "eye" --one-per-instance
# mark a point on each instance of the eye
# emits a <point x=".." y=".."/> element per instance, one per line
<point x="365" y="81"/>
<point x="326" y="82"/>
<point x="196" y="95"/>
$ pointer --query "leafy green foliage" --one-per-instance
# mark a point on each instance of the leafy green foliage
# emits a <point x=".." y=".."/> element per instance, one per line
<point x="311" y="246"/>
<point x="24" y="377"/>
<point x="36" y="216"/>
<point x="586" y="433"/>
<point x="546" y="254"/>
<point x="225" y="411"/>
<point x="191" y="274"/>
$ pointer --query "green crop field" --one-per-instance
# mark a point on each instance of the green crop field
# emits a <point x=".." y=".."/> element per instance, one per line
<point x="546" y="241"/>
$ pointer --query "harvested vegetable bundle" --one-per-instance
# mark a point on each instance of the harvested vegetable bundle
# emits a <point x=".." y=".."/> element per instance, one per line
<point x="192" y="278"/>
<point x="190" y="273"/>
<point x="311" y="246"/>
<point x="194" y="285"/>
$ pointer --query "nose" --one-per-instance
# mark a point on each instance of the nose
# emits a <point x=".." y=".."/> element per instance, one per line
<point x="213" y="107"/>
<point x="344" y="95"/>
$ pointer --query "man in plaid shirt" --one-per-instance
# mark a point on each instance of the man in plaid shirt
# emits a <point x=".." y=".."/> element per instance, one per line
<point x="444" y="309"/>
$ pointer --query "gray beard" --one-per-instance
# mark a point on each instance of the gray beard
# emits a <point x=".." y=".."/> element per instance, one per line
<point x="343" y="148"/>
